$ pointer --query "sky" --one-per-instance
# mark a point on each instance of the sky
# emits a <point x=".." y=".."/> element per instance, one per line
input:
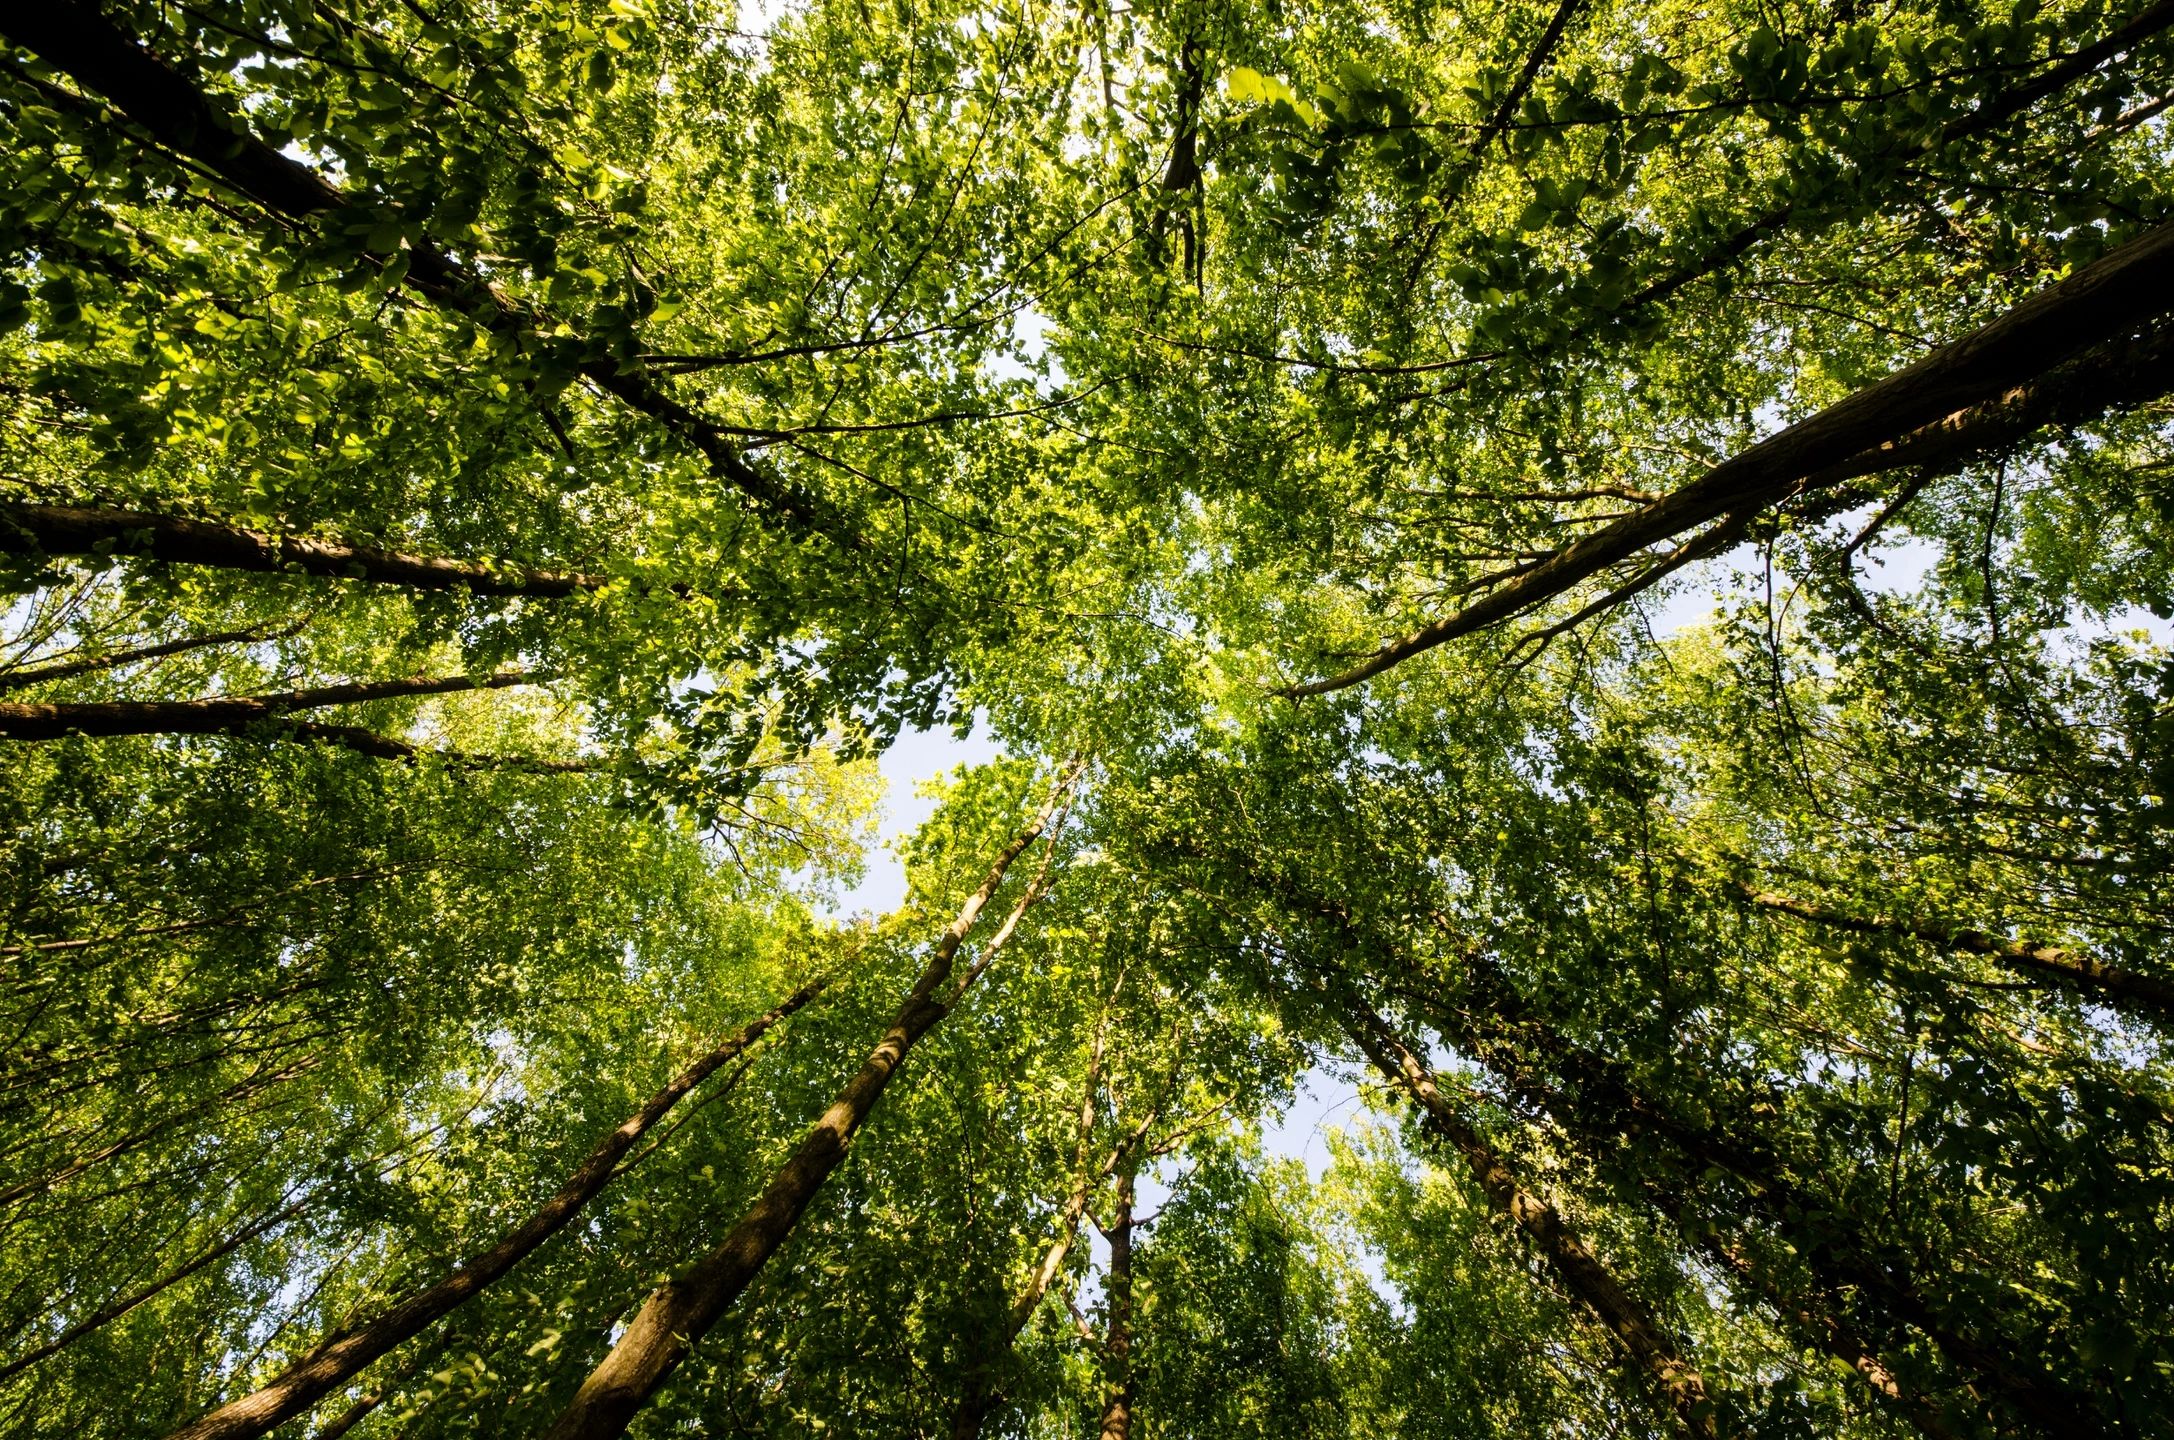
<point x="916" y="755"/>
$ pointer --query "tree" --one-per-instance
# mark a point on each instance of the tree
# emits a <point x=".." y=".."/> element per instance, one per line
<point x="1595" y="578"/>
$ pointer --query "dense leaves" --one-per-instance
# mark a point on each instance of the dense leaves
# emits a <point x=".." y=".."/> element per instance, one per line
<point x="1525" y="580"/>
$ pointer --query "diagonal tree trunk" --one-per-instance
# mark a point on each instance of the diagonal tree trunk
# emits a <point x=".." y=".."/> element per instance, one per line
<point x="342" y="1357"/>
<point x="114" y="660"/>
<point x="2077" y="973"/>
<point x="680" y="1312"/>
<point x="74" y="37"/>
<point x="380" y="746"/>
<point x="1817" y="1320"/>
<point x="2104" y="303"/>
<point x="38" y="720"/>
<point x="100" y="530"/>
<point x="1624" y="1316"/>
<point x="1608" y="1105"/>
<point x="115" y="1309"/>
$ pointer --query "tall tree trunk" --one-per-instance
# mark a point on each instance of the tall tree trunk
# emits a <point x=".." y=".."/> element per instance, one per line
<point x="1818" y="1321"/>
<point x="1117" y="1322"/>
<point x="31" y="720"/>
<point x="115" y="1309"/>
<point x="2102" y="303"/>
<point x="681" y="1311"/>
<point x="74" y="37"/>
<point x="100" y="530"/>
<point x="342" y="1357"/>
<point x="92" y="664"/>
<point x="1608" y="1105"/>
<point x="2079" y="974"/>
<point x="1624" y="1316"/>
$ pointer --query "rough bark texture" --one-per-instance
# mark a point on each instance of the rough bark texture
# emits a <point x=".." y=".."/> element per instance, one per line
<point x="32" y="720"/>
<point x="2077" y="973"/>
<point x="1117" y="1323"/>
<point x="344" y="1356"/>
<point x="2103" y="380"/>
<point x="2104" y="303"/>
<point x="680" y="1312"/>
<point x="1625" y="1318"/>
<point x="97" y="530"/>
<point x="75" y="38"/>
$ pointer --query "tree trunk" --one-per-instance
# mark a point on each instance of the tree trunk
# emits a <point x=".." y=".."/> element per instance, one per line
<point x="681" y="1311"/>
<point x="2078" y="974"/>
<point x="1117" y="1324"/>
<point x="74" y="37"/>
<point x="2104" y="302"/>
<point x="380" y="746"/>
<point x="32" y="720"/>
<point x="97" y="530"/>
<point x="1624" y="1316"/>
<point x="1820" y="1323"/>
<point x="115" y="1309"/>
<point x="979" y="1396"/>
<point x="92" y="664"/>
<point x="1608" y="1107"/>
<point x="342" y="1357"/>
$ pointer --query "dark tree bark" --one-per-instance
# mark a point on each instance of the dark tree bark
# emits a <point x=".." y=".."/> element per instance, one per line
<point x="342" y="1357"/>
<point x="1604" y="1106"/>
<point x="680" y="1312"/>
<point x="75" y="38"/>
<point x="1624" y="1316"/>
<point x="2077" y="973"/>
<point x="1117" y="1317"/>
<point x="32" y="720"/>
<point x="381" y="746"/>
<point x="99" y="530"/>
<point x="1817" y="1320"/>
<point x="2103" y="304"/>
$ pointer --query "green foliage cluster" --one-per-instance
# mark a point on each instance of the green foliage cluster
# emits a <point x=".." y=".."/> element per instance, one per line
<point x="1592" y="578"/>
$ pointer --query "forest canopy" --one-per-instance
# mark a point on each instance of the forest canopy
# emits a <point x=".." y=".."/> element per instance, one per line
<point x="1600" y="572"/>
